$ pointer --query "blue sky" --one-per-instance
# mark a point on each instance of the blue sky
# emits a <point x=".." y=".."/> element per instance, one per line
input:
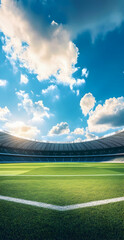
<point x="61" y="68"/>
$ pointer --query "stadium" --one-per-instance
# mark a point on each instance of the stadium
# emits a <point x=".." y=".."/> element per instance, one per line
<point x="62" y="190"/>
<point x="62" y="83"/>
<point x="18" y="149"/>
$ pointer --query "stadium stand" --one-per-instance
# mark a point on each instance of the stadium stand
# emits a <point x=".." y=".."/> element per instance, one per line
<point x="22" y="150"/>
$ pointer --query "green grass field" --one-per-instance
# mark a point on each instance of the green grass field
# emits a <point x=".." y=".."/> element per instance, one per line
<point x="62" y="184"/>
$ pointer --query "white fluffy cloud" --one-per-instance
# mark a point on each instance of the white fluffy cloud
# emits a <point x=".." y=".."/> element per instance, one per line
<point x="79" y="131"/>
<point x="21" y="129"/>
<point x="36" y="110"/>
<point x="54" y="23"/>
<point x="110" y="115"/>
<point x="45" y="53"/>
<point x="85" y="72"/>
<point x="50" y="89"/>
<point x="23" y="79"/>
<point x="3" y="83"/>
<point x="90" y="136"/>
<point x="77" y="92"/>
<point x="4" y="112"/>
<point x="79" y="82"/>
<point x="59" y="129"/>
<point x="87" y="102"/>
<point x="78" y="140"/>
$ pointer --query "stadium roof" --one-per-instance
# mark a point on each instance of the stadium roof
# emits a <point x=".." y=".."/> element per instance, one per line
<point x="9" y="141"/>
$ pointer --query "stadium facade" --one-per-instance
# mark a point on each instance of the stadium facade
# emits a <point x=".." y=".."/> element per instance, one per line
<point x="21" y="150"/>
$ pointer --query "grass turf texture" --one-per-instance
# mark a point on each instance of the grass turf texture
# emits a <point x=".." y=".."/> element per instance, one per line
<point x="19" y="221"/>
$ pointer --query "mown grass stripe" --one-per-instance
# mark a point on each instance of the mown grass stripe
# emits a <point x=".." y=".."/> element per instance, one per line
<point x="80" y="175"/>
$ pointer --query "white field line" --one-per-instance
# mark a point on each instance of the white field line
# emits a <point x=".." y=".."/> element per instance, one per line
<point x="31" y="203"/>
<point x="62" y="208"/>
<point x="93" y="203"/>
<point x="80" y="175"/>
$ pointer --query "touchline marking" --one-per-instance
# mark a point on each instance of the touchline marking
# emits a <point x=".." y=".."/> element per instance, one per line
<point x="80" y="175"/>
<point x="62" y="208"/>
